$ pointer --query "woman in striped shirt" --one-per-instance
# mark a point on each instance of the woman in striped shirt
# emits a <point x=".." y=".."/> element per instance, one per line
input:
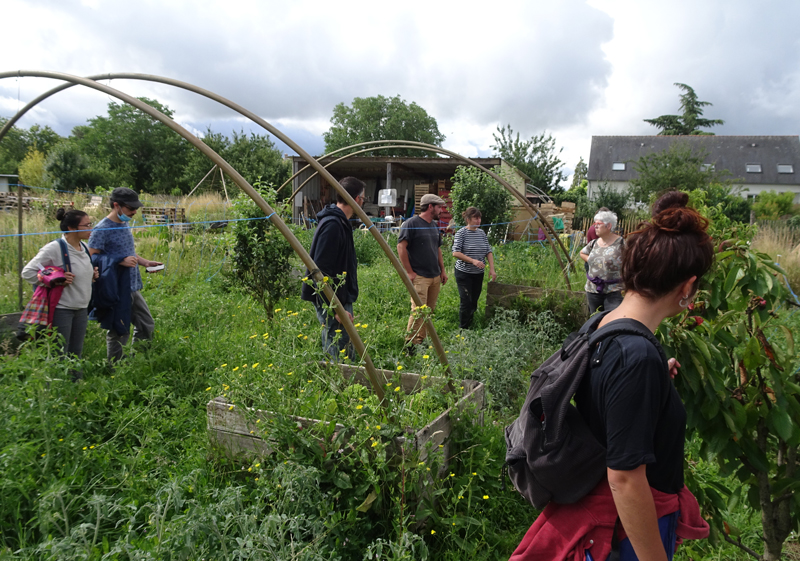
<point x="472" y="251"/>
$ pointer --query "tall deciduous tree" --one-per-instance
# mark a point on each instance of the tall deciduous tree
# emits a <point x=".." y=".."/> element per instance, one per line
<point x="138" y="151"/>
<point x="679" y="167"/>
<point x="382" y="118"/>
<point x="537" y="158"/>
<point x="580" y="173"/>
<point x="254" y="156"/>
<point x="690" y="121"/>
<point x="18" y="142"/>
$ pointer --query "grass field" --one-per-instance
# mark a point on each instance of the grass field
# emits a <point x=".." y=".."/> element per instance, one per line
<point x="120" y="466"/>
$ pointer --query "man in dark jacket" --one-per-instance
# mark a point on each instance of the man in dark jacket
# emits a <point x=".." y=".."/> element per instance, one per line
<point x="333" y="251"/>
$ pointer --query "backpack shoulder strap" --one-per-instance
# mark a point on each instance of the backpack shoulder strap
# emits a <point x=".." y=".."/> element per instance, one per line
<point x="86" y="249"/>
<point x="65" y="255"/>
<point x="627" y="327"/>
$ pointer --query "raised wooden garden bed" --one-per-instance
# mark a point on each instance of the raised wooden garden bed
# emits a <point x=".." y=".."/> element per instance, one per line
<point x="234" y="430"/>
<point x="499" y="295"/>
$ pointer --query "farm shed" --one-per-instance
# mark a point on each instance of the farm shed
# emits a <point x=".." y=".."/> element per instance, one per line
<point x="5" y="181"/>
<point x="410" y="177"/>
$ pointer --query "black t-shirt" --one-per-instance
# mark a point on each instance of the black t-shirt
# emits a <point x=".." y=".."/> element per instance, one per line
<point x="423" y="241"/>
<point x="633" y="409"/>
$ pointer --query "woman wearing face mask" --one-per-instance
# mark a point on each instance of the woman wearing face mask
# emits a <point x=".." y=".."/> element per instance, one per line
<point x="71" y="315"/>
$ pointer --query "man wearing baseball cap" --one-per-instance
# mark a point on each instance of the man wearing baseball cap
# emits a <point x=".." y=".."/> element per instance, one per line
<point x="420" y="252"/>
<point x="113" y="237"/>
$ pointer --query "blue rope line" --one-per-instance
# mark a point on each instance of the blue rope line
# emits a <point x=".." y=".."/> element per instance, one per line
<point x="144" y="227"/>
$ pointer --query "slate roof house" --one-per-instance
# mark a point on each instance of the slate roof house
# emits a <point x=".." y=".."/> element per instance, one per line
<point x="757" y="163"/>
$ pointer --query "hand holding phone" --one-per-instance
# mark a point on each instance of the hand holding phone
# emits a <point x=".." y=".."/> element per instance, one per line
<point x="155" y="268"/>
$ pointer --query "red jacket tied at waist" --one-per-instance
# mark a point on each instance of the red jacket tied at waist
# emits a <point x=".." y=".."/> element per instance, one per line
<point x="564" y="532"/>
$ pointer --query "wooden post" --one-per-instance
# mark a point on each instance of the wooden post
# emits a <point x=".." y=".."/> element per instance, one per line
<point x="19" y="241"/>
<point x="222" y="175"/>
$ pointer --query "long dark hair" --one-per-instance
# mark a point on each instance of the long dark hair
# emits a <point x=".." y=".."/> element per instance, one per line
<point x="70" y="219"/>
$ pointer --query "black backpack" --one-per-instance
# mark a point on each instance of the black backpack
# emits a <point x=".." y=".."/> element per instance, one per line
<point x="551" y="455"/>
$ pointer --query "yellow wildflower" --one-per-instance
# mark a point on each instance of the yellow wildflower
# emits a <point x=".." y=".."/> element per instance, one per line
<point x="485" y="497"/>
<point x="255" y="364"/>
<point x="377" y="427"/>
<point x="208" y="389"/>
<point x="235" y="369"/>
<point x="364" y="325"/>
<point x="397" y="389"/>
<point x="426" y="356"/>
<point x="374" y="444"/>
<point x="433" y="532"/>
<point x="359" y="407"/>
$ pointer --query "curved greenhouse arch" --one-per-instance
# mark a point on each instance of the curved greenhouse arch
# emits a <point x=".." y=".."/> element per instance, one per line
<point x="74" y="80"/>
<point x="247" y="188"/>
<point x="550" y="233"/>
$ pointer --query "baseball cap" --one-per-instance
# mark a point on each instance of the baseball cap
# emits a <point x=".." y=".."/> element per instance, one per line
<point x="431" y="199"/>
<point x="125" y="196"/>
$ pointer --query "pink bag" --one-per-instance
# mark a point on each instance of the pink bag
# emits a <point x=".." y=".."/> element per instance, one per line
<point x="42" y="306"/>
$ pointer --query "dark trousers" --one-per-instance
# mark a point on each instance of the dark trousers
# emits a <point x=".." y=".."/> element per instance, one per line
<point x="469" y="290"/>
<point x="71" y="326"/>
<point x="603" y="302"/>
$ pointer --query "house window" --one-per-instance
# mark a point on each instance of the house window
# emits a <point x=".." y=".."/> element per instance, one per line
<point x="785" y="168"/>
<point x="618" y="166"/>
<point x="708" y="167"/>
<point x="753" y="168"/>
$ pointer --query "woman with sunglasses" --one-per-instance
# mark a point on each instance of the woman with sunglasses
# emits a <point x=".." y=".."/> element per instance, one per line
<point x="71" y="315"/>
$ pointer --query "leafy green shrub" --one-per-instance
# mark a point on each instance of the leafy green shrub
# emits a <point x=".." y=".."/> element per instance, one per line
<point x="503" y="355"/>
<point x="770" y="205"/>
<point x="472" y="187"/>
<point x="261" y="255"/>
<point x="368" y="251"/>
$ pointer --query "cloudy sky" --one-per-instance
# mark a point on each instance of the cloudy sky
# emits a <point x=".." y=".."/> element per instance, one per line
<point x="569" y="67"/>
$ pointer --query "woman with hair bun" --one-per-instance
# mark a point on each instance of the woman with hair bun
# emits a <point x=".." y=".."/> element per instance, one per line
<point x="472" y="250"/>
<point x="603" y="256"/>
<point x="71" y="315"/>
<point x="632" y="408"/>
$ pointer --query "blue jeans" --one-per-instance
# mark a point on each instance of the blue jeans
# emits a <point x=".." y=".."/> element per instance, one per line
<point x="332" y="342"/>
<point x="666" y="527"/>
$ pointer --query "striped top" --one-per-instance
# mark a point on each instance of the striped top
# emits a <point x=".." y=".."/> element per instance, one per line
<point x="472" y="243"/>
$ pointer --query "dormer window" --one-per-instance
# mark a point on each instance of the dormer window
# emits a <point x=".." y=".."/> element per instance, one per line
<point x="618" y="166"/>
<point x="708" y="167"/>
<point x="753" y="168"/>
<point x="785" y="168"/>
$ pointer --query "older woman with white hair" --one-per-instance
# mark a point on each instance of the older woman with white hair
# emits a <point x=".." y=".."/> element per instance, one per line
<point x="604" y="257"/>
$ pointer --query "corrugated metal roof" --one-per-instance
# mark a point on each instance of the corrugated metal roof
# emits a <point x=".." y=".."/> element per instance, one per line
<point x="730" y="153"/>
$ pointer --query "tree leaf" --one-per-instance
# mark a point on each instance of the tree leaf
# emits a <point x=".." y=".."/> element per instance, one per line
<point x="779" y="421"/>
<point x="755" y="456"/>
<point x="789" y="340"/>
<point x="342" y="480"/>
<point x="734" y="275"/>
<point x="367" y="504"/>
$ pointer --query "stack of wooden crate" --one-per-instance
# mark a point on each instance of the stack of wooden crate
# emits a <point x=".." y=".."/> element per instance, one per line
<point x="566" y="212"/>
<point x="166" y="215"/>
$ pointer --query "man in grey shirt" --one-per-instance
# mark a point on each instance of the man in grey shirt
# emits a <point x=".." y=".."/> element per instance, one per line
<point x="420" y="252"/>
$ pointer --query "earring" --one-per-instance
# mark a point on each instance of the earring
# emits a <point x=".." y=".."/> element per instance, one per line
<point x="683" y="302"/>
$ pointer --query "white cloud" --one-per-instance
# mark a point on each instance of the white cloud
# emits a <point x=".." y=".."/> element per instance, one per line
<point x="573" y="68"/>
